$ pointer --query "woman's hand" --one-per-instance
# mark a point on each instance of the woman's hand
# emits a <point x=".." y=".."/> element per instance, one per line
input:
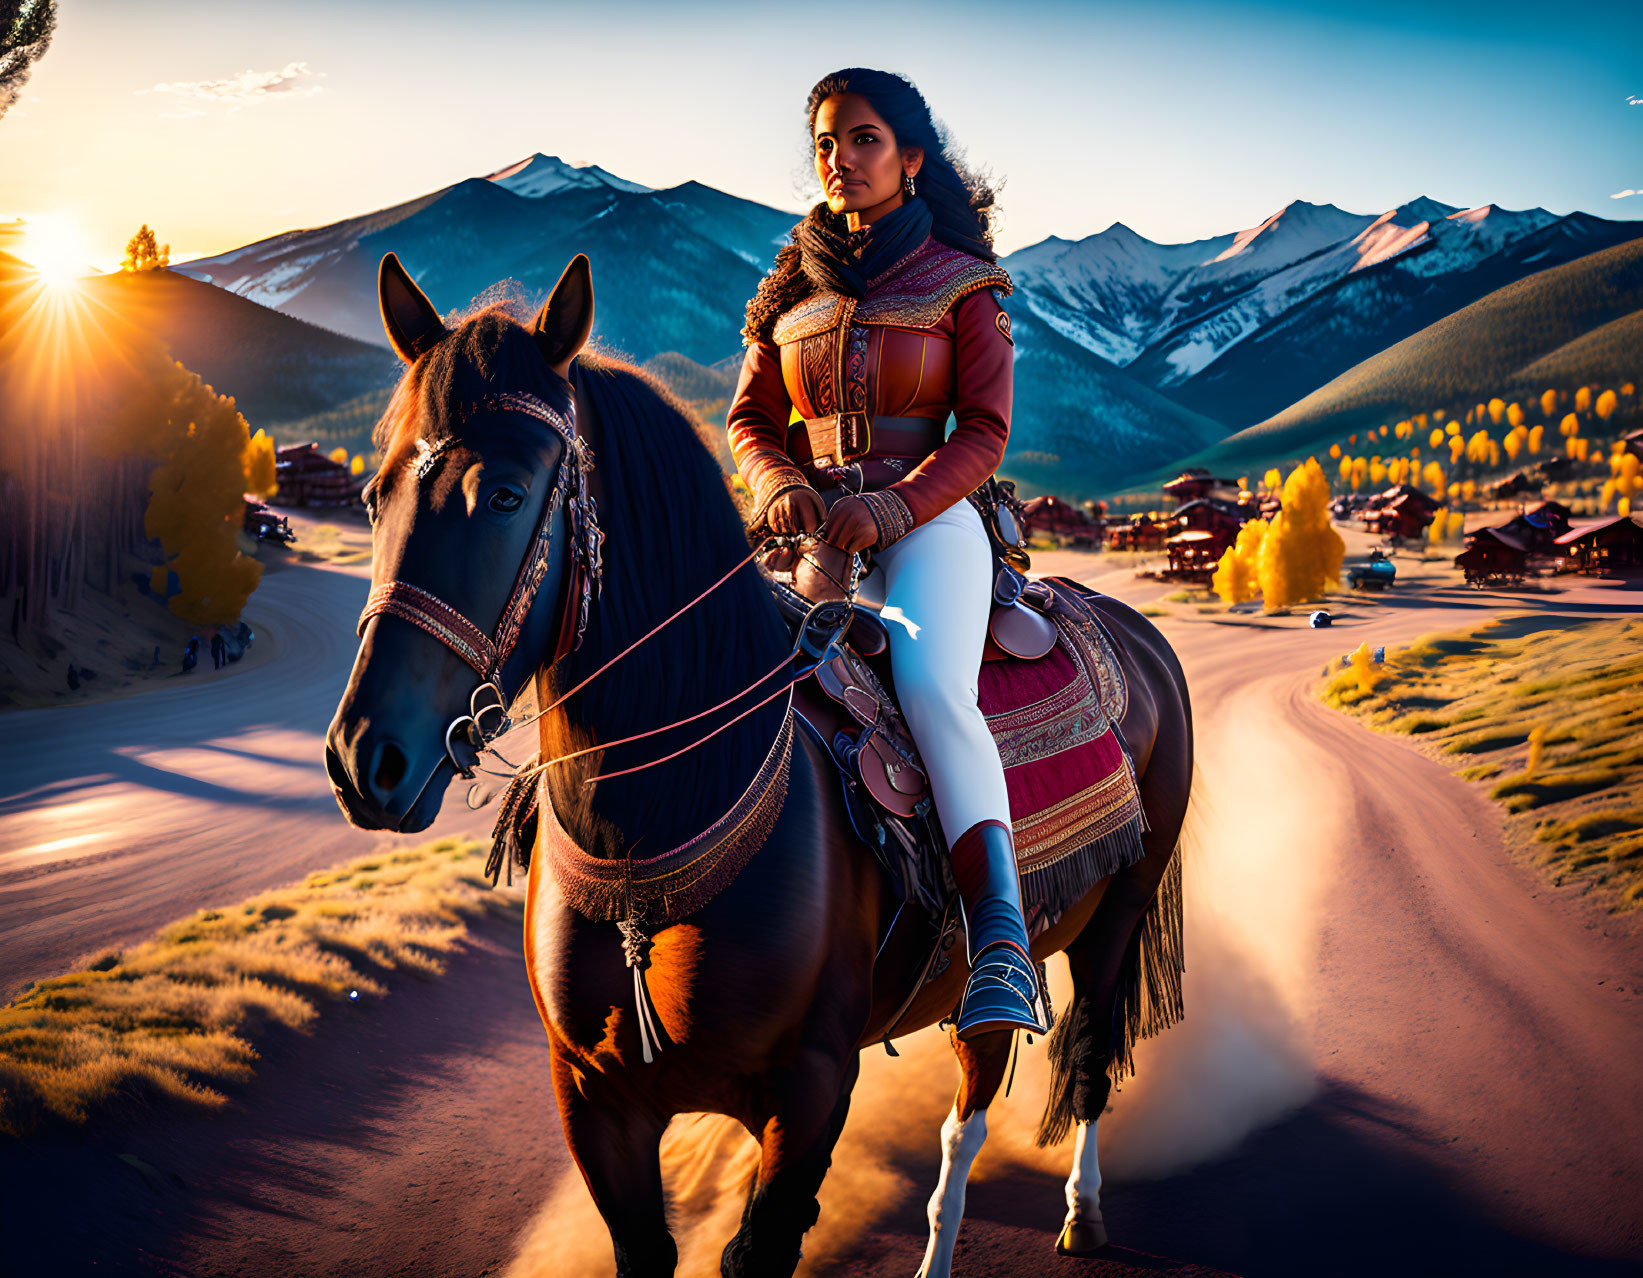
<point x="850" y="525"/>
<point x="799" y="510"/>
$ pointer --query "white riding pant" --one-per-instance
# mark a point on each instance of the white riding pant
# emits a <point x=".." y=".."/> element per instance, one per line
<point x="936" y="590"/>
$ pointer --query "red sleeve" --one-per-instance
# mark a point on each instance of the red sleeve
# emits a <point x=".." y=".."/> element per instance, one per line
<point x="984" y="368"/>
<point x="757" y="425"/>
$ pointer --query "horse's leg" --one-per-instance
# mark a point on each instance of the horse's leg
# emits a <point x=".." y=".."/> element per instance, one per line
<point x="982" y="1061"/>
<point x="617" y="1148"/>
<point x="1106" y="961"/>
<point x="796" y="1146"/>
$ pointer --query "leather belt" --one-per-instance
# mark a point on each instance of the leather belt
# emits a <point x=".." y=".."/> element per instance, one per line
<point x="845" y="437"/>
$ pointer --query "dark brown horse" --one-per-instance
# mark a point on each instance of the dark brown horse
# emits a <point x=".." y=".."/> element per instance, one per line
<point x="766" y="995"/>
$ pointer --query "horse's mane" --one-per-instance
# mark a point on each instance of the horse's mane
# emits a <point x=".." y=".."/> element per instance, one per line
<point x="671" y="529"/>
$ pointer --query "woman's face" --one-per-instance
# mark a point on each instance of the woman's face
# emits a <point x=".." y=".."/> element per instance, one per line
<point x="857" y="159"/>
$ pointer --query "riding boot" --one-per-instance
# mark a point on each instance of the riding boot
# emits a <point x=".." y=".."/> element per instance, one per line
<point x="1002" y="992"/>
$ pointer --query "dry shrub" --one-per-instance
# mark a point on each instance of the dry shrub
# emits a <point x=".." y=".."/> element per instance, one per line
<point x="176" y="1016"/>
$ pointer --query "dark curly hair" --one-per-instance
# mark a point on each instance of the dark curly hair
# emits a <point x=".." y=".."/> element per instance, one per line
<point x="962" y="203"/>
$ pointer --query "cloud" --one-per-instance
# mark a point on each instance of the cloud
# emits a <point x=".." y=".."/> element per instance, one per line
<point x="1634" y="99"/>
<point x="293" y="80"/>
<point x="1620" y="195"/>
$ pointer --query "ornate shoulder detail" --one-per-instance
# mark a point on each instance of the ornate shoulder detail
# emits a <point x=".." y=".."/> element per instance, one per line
<point x="816" y="314"/>
<point x="920" y="289"/>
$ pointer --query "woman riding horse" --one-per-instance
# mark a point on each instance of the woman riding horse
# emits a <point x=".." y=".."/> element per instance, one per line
<point x="879" y="321"/>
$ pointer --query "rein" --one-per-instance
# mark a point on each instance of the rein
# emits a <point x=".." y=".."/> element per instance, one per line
<point x="487" y="718"/>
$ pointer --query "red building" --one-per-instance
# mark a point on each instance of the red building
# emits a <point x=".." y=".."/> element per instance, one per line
<point x="1493" y="556"/>
<point x="1195" y="482"/>
<point x="1402" y="511"/>
<point x="307" y="477"/>
<point x="1051" y="517"/>
<point x="1604" y="547"/>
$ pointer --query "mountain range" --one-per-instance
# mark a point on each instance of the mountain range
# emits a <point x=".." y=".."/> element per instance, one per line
<point x="1130" y="354"/>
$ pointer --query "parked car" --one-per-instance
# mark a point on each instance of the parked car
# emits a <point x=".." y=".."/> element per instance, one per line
<point x="1379" y="573"/>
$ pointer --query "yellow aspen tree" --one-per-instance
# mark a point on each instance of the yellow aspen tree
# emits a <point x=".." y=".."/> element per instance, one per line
<point x="1570" y="425"/>
<point x="1274" y="480"/>
<point x="1335" y="451"/>
<point x="1497" y="406"/>
<point x="1606" y="403"/>
<point x="1435" y="529"/>
<point x="1236" y="577"/>
<point x="1535" y="434"/>
<point x="257" y="461"/>
<point x="1623" y="507"/>
<point x="1514" y="413"/>
<point x="1457" y="525"/>
<point x="1346" y="468"/>
<point x="1548" y="403"/>
<point x="1583" y="400"/>
<point x="1435" y="438"/>
<point x="1300" y="552"/>
<point x="1453" y="428"/>
<point x="1434" y="477"/>
<point x="357" y="466"/>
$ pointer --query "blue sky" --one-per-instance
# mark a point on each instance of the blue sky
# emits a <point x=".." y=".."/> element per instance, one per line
<point x="1180" y="120"/>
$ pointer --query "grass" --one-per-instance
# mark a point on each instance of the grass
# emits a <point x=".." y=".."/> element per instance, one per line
<point x="1472" y="699"/>
<point x="176" y="1017"/>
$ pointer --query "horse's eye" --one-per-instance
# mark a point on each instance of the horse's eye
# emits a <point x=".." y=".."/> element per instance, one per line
<point x="504" y="501"/>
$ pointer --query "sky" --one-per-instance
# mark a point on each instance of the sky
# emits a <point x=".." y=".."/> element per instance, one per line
<point x="220" y="124"/>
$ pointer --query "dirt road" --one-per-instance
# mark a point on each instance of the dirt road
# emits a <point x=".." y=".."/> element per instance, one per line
<point x="1403" y="1053"/>
<point x="119" y="816"/>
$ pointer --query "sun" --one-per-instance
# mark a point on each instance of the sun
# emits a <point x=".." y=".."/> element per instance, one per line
<point x="56" y="247"/>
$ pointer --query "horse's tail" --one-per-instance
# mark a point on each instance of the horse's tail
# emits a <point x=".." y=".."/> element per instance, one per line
<point x="1148" y="1000"/>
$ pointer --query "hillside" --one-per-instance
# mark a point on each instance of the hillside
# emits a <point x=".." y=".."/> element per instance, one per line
<point x="277" y="368"/>
<point x="1582" y="315"/>
<point x="1081" y="426"/>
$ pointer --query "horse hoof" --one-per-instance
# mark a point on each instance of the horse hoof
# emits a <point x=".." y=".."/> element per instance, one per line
<point x="1081" y="1238"/>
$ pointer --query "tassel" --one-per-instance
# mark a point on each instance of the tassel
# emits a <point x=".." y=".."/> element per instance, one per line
<point x="636" y="950"/>
<point x="889" y="1047"/>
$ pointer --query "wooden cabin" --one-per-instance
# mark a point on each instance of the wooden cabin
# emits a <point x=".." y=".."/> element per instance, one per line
<point x="307" y="477"/>
<point x="1493" y="556"/>
<point x="1194" y="554"/>
<point x="1402" y="511"/>
<point x="1051" y="517"/>
<point x="1194" y="483"/>
<point x="1538" y="527"/>
<point x="1610" y="545"/>
<point x="1142" y="532"/>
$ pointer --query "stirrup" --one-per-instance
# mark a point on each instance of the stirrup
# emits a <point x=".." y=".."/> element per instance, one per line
<point x="1001" y="994"/>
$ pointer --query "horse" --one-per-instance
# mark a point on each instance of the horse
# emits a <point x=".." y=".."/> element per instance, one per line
<point x="766" y="994"/>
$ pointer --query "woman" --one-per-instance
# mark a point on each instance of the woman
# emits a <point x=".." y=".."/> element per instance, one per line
<point x="879" y="320"/>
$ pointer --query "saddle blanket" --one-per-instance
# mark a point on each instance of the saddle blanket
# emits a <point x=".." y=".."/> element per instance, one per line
<point x="1075" y="806"/>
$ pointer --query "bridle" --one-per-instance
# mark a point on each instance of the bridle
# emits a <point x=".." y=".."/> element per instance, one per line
<point x="488" y="654"/>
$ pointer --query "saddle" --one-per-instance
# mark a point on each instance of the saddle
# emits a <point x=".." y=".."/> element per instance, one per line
<point x="1052" y="692"/>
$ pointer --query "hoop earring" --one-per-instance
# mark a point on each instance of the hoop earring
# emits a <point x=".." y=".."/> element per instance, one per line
<point x="907" y="184"/>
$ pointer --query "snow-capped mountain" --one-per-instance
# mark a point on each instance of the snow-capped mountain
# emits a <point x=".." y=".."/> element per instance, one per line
<point x="546" y="174"/>
<point x="1128" y="353"/>
<point x="673" y="268"/>
<point x="1236" y="327"/>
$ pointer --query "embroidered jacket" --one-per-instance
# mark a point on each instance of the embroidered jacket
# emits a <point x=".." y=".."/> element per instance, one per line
<point x="927" y="341"/>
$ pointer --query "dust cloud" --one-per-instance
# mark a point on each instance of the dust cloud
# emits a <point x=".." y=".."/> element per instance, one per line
<point x="1255" y="869"/>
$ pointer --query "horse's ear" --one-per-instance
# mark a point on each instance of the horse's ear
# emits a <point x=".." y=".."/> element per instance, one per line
<point x="566" y="318"/>
<point x="412" y="321"/>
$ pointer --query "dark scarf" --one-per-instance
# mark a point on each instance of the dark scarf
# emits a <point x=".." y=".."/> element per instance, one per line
<point x="841" y="261"/>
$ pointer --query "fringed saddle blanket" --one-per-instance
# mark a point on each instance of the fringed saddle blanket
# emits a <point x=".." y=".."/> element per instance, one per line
<point x="1075" y="806"/>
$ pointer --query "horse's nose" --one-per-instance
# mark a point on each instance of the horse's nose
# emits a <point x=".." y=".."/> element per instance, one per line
<point x="388" y="766"/>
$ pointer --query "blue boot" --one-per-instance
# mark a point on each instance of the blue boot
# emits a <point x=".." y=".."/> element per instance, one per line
<point x="1002" y="993"/>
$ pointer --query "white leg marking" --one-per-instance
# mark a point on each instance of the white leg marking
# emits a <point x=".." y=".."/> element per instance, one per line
<point x="1084" y="1185"/>
<point x="1084" y="1233"/>
<point x="960" y="1143"/>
